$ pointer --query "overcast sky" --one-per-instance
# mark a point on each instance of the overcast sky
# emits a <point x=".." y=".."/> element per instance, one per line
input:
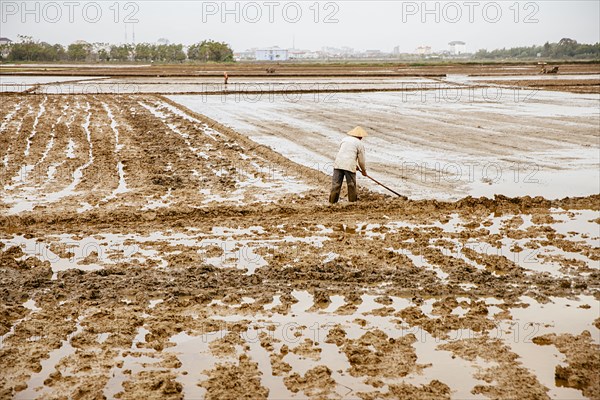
<point x="309" y="24"/>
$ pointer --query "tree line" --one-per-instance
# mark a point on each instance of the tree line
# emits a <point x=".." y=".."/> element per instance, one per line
<point x="30" y="50"/>
<point x="564" y="49"/>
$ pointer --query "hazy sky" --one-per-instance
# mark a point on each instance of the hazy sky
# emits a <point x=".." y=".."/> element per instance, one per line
<point x="359" y="24"/>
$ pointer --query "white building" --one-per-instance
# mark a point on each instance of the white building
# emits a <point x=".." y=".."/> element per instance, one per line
<point x="271" y="54"/>
<point x="457" y="47"/>
<point x="303" y="54"/>
<point x="244" y="55"/>
<point x="423" y="50"/>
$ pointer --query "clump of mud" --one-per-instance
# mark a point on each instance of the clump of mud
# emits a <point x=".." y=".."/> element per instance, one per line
<point x="235" y="381"/>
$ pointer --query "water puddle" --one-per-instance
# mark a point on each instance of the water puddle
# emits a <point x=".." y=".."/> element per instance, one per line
<point x="134" y="360"/>
<point x="559" y="316"/>
<point x="35" y="385"/>
<point x="304" y="322"/>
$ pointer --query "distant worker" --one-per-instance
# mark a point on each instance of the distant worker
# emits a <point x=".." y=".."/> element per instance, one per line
<point x="351" y="151"/>
<point x="225" y="77"/>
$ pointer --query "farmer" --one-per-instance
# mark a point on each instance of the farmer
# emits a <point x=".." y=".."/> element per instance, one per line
<point x="351" y="151"/>
<point x="225" y="77"/>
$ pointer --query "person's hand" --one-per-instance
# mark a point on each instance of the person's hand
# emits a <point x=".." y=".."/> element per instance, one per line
<point x="364" y="172"/>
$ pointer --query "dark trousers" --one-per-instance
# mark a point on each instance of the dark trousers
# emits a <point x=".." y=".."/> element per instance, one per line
<point x="338" y="179"/>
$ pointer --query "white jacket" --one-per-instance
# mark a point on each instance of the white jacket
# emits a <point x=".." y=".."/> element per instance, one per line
<point x="351" y="151"/>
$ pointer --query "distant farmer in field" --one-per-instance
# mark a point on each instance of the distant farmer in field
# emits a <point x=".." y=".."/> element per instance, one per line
<point x="225" y="77"/>
<point x="351" y="151"/>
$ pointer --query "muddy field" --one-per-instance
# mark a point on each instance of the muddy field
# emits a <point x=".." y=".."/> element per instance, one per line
<point x="439" y="143"/>
<point x="150" y="248"/>
<point x="349" y="68"/>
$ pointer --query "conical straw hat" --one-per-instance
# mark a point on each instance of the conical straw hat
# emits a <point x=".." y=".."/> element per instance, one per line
<point x="358" y="132"/>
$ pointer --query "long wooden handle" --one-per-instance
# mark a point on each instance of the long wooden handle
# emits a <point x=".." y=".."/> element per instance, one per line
<point x="381" y="184"/>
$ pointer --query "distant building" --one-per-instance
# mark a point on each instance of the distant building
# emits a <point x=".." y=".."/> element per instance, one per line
<point x="457" y="47"/>
<point x="302" y="54"/>
<point x="423" y="50"/>
<point x="373" y="53"/>
<point x="328" y="51"/>
<point x="271" y="54"/>
<point x="335" y="52"/>
<point x="396" y="50"/>
<point x="245" y="55"/>
<point x="4" y="40"/>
